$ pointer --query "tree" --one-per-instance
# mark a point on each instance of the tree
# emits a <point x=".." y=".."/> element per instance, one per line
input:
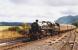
<point x="75" y="23"/>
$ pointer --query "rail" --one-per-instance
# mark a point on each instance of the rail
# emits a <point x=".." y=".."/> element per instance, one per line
<point x="70" y="42"/>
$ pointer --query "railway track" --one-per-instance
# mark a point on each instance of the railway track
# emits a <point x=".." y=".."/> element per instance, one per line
<point x="75" y="46"/>
<point x="69" y="45"/>
<point x="18" y="45"/>
<point x="45" y="46"/>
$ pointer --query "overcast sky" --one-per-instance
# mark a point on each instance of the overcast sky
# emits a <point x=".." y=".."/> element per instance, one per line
<point x="29" y="10"/>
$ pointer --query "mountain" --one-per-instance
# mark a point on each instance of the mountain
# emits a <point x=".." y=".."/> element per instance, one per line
<point x="67" y="19"/>
<point x="11" y="23"/>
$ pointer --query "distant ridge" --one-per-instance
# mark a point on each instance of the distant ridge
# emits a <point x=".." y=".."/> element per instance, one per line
<point x="11" y="23"/>
<point x="67" y="19"/>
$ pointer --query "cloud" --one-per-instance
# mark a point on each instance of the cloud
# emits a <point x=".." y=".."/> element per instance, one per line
<point x="62" y="2"/>
<point x="29" y="10"/>
<point x="47" y="2"/>
<point x="30" y="13"/>
<point x="69" y="12"/>
<point x="28" y="2"/>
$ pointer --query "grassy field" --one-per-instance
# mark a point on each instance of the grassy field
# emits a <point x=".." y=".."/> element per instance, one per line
<point x="4" y="27"/>
<point x="8" y="34"/>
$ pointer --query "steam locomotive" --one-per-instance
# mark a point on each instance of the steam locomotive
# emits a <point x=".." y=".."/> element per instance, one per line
<point x="46" y="29"/>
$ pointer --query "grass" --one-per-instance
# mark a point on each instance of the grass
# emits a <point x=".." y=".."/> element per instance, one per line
<point x="4" y="34"/>
<point x="4" y="27"/>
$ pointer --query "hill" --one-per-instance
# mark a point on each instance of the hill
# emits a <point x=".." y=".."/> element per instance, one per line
<point x="11" y="23"/>
<point x="67" y="19"/>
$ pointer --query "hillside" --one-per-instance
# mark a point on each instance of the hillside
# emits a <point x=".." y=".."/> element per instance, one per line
<point x="11" y="23"/>
<point x="67" y="19"/>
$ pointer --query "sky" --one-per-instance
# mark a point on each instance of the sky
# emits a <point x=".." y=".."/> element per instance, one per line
<point x="30" y="10"/>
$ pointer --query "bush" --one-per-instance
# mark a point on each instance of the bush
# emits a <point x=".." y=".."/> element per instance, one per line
<point x="14" y="29"/>
<point x="75" y="24"/>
